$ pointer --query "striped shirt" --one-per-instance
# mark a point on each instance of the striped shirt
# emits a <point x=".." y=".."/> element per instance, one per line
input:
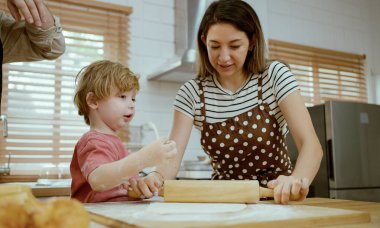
<point x="221" y="104"/>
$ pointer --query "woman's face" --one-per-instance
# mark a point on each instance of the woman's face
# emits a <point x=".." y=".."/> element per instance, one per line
<point x="227" y="49"/>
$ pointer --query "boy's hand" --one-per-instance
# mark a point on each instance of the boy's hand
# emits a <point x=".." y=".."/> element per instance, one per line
<point x="159" y="151"/>
<point x="146" y="187"/>
<point x="289" y="188"/>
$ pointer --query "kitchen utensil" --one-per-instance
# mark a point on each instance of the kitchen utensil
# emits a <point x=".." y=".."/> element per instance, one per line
<point x="212" y="191"/>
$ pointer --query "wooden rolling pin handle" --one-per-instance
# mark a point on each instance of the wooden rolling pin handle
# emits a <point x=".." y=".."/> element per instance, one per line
<point x="133" y="194"/>
<point x="268" y="193"/>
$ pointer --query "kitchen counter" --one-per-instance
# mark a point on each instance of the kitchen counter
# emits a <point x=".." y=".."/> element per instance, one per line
<point x="370" y="217"/>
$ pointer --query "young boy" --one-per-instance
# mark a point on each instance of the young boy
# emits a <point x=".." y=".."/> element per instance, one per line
<point x="101" y="167"/>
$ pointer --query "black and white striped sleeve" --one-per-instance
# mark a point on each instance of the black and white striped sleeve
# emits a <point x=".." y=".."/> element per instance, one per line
<point x="282" y="80"/>
<point x="185" y="99"/>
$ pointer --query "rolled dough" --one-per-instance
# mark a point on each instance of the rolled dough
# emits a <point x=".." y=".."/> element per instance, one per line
<point x="194" y="208"/>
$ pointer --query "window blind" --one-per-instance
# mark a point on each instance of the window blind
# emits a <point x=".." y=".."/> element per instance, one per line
<point x="43" y="124"/>
<point x="323" y="74"/>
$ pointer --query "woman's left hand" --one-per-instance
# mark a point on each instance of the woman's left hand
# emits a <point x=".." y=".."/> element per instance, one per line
<point x="289" y="188"/>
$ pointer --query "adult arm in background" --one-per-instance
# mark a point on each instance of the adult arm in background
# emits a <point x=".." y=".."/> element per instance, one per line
<point x="180" y="134"/>
<point x="30" y="40"/>
<point x="309" y="151"/>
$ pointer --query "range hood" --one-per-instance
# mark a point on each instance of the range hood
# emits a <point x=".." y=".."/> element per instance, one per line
<point x="180" y="68"/>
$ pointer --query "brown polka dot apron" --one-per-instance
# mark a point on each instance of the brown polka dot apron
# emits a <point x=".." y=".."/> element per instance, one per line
<point x="249" y="146"/>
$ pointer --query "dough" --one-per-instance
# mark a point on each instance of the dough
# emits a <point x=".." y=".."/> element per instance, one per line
<point x="194" y="208"/>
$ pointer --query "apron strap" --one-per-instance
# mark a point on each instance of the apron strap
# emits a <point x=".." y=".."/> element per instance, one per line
<point x="203" y="101"/>
<point x="260" y="90"/>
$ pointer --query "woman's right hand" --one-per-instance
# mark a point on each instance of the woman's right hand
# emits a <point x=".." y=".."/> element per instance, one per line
<point x="148" y="186"/>
<point x="159" y="151"/>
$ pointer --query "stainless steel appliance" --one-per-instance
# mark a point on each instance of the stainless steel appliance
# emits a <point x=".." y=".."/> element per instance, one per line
<point x="350" y="136"/>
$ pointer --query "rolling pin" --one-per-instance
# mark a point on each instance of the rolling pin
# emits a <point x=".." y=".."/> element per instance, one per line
<point x="212" y="191"/>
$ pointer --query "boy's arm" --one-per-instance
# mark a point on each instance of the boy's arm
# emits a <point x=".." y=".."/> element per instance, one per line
<point x="110" y="175"/>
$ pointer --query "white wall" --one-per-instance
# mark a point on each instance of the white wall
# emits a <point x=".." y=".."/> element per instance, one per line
<point x="343" y="25"/>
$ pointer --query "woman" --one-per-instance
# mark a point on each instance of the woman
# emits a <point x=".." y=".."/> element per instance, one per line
<point x="242" y="104"/>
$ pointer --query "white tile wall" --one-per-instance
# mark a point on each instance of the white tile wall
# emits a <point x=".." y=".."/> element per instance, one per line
<point x="343" y="25"/>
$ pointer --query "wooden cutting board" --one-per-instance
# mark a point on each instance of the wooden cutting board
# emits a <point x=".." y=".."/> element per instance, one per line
<point x="263" y="214"/>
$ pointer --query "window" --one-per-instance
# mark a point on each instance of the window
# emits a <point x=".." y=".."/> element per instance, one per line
<point x="323" y="74"/>
<point x="43" y="124"/>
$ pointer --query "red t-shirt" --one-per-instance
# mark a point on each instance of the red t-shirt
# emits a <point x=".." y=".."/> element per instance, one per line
<point x="92" y="150"/>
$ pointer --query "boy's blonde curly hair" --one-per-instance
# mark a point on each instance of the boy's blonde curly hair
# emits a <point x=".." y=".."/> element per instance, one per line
<point x="101" y="78"/>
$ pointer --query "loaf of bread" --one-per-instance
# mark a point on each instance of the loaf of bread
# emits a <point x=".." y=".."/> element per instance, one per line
<point x="19" y="208"/>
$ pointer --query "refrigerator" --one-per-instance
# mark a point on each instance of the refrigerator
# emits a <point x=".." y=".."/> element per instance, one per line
<point x="349" y="133"/>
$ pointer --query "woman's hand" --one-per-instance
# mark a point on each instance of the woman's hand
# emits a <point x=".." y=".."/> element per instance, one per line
<point x="289" y="188"/>
<point x="148" y="186"/>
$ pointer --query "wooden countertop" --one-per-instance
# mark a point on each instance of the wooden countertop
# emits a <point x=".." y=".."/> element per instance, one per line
<point x="369" y="207"/>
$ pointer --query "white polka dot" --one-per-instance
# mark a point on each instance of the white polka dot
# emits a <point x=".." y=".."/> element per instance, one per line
<point x="236" y="118"/>
<point x="249" y="113"/>
<point x="267" y="120"/>
<point x="245" y="123"/>
<point x="236" y="159"/>
<point x="250" y="135"/>
<point x="254" y="147"/>
<point x="220" y="177"/>
<point x="203" y="141"/>
<point x="274" y="125"/>
<point x="223" y="161"/>
<point x="222" y="145"/>
<point x="257" y="157"/>
<point x="261" y="107"/>
<point x="224" y="124"/>
<point x="241" y="131"/>
<point x="276" y="158"/>
<point x="259" y="88"/>
<point x="271" y="133"/>
<point x="262" y="151"/>
<point x="270" y="113"/>
<point x="209" y="147"/>
<point x="241" y="151"/>
<point x="254" y="126"/>
<point x="245" y="144"/>
<point x="264" y="129"/>
<point x="250" y="164"/>
<point x="237" y="165"/>
<point x="227" y="136"/>
<point x="254" y="177"/>
<point x="228" y="175"/>
<point x="202" y="104"/>
<point x="260" y="102"/>
<point x="258" y="117"/>
<point x="227" y="155"/>
<point x="236" y="140"/>
<point x="244" y="171"/>
<point x="240" y="177"/>
<point x="218" y="132"/>
<point x="210" y="126"/>
<point x="232" y="128"/>
<point x="207" y="134"/>
<point x="282" y="160"/>
<point x="268" y="142"/>
<point x="259" y="139"/>
<point x="231" y="171"/>
<point x="264" y="182"/>
<point x="272" y="166"/>
<point x="231" y="148"/>
<point x="213" y="139"/>
<point x="217" y="152"/>
<point x="270" y="155"/>
<point x="230" y="166"/>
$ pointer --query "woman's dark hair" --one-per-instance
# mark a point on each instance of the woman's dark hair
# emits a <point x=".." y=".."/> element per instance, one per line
<point x="241" y="15"/>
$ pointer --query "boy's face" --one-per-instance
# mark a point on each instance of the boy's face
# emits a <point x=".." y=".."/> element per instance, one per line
<point x="117" y="110"/>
